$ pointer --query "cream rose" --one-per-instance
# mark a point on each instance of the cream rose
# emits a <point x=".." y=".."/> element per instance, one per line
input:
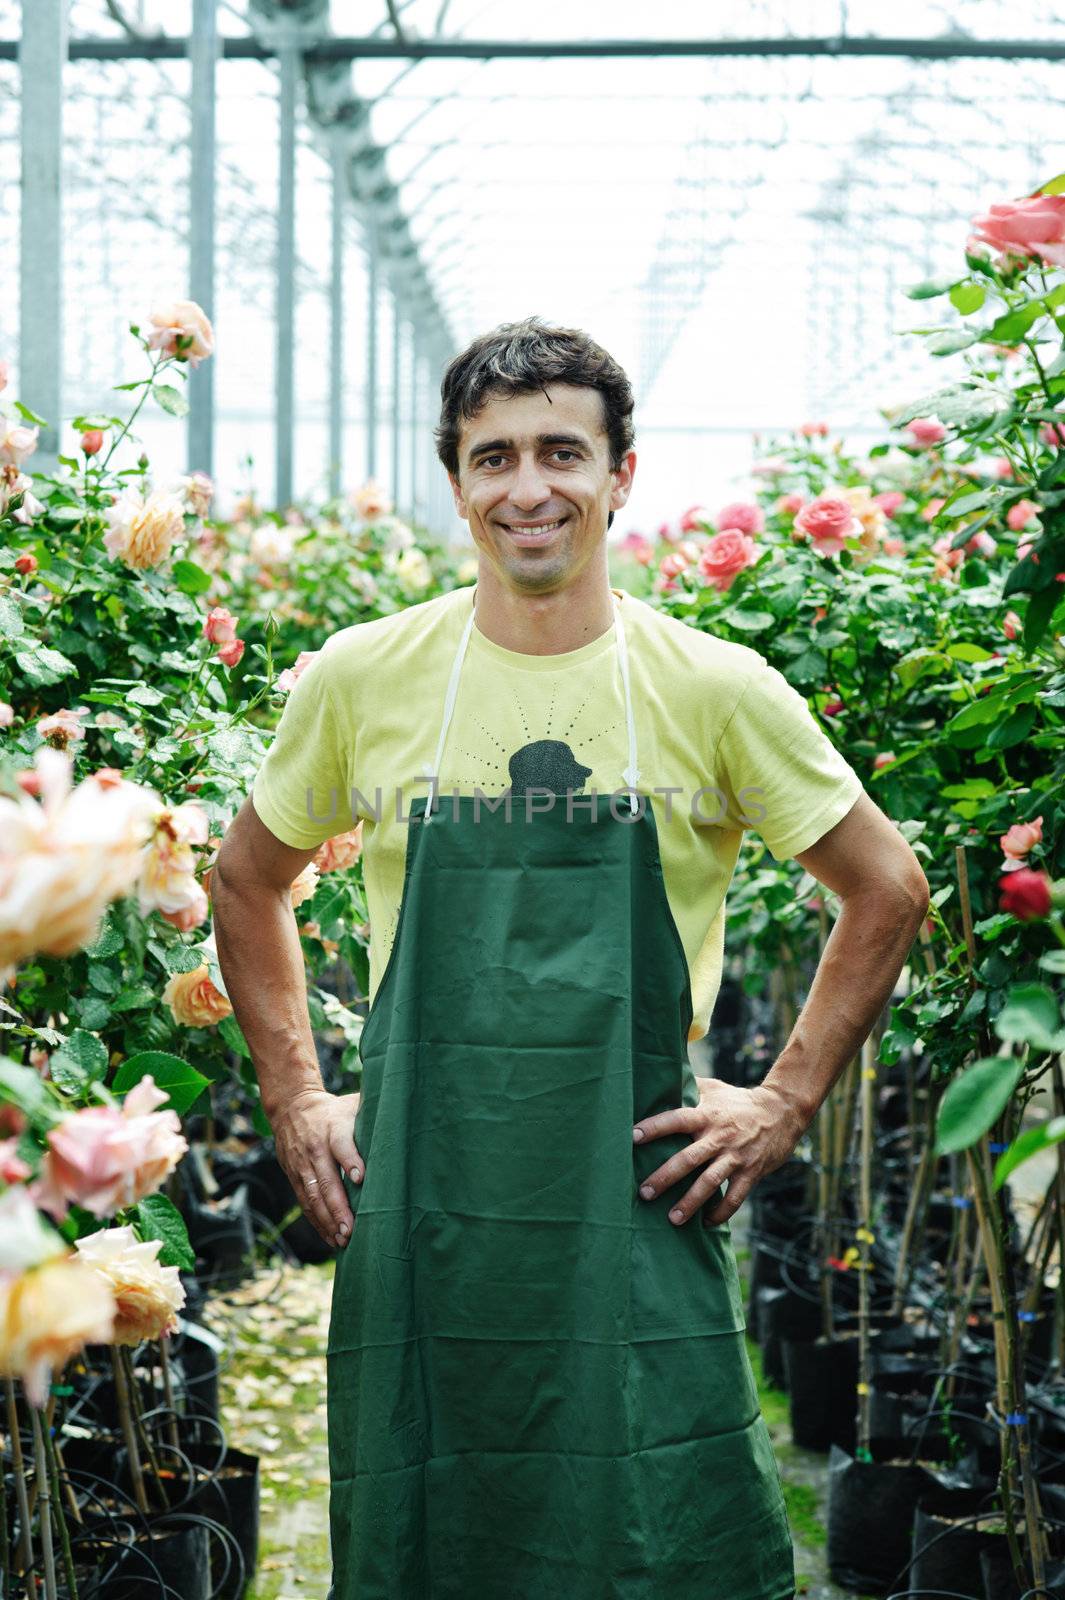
<point x="141" y="529"/>
<point x="182" y="329"/>
<point x="49" y="1314"/>
<point x="370" y="501"/>
<point x="147" y="1296"/>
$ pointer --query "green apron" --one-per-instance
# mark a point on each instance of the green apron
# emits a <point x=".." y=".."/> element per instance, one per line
<point x="538" y="1386"/>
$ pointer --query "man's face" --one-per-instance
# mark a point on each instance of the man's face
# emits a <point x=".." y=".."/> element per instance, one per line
<point x="536" y="486"/>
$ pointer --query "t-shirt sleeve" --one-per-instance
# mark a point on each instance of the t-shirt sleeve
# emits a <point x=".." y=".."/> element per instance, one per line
<point x="302" y="788"/>
<point x="777" y="771"/>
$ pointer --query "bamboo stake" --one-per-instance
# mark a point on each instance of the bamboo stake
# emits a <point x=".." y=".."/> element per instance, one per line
<point x="57" y="1505"/>
<point x="168" y="1390"/>
<point x="865" y="1238"/>
<point x="24" y="1556"/>
<point x="44" y="1502"/>
<point x="128" y="1431"/>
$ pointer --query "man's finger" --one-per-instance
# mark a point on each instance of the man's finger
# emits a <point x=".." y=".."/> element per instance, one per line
<point x="681" y="1119"/>
<point x="738" y="1190"/>
<point x="705" y="1187"/>
<point x="692" y="1158"/>
<point x="338" y="1216"/>
<point x="346" y="1152"/>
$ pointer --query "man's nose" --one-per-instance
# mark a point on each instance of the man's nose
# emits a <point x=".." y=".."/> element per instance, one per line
<point x="530" y="487"/>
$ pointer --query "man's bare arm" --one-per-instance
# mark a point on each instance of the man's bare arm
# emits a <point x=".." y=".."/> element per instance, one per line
<point x="261" y="959"/>
<point x="884" y="893"/>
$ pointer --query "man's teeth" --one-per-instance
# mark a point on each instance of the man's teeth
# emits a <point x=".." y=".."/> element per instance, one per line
<point x="547" y="527"/>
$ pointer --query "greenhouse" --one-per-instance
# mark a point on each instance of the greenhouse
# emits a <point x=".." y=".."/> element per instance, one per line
<point x="532" y="837"/>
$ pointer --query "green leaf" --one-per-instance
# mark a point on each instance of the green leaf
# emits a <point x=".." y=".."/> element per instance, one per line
<point x="749" y="621"/>
<point x="171" y="399"/>
<point x="159" y="1218"/>
<point x="190" y="578"/>
<point x="948" y="344"/>
<point x="967" y="297"/>
<point x="23" y="1087"/>
<point x="183" y="1083"/>
<point x="973" y="1100"/>
<point x="230" y="1030"/>
<point x="971" y="789"/>
<point x="11" y="624"/>
<point x="108" y="941"/>
<point x="929" y="288"/>
<point x="28" y="415"/>
<point x="42" y="665"/>
<point x="1011" y="327"/>
<point x="1013" y="729"/>
<point x="134" y="998"/>
<point x="1053" y="961"/>
<point x="145" y="695"/>
<point x="1026" y="1145"/>
<point x="1030" y="1016"/>
<point x="1053" y="185"/>
<point x="80" y="1060"/>
<point x="968" y="652"/>
<point x="917" y="663"/>
<point x="94" y="1013"/>
<point x="182" y="958"/>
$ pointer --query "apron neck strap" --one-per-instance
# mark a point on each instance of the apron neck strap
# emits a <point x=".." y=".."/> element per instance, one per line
<point x="631" y="774"/>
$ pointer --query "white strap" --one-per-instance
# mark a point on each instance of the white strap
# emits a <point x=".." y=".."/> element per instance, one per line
<point x="631" y="773"/>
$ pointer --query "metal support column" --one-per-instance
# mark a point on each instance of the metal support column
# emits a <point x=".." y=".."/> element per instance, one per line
<point x="42" y="54"/>
<point x="203" y="55"/>
<point x="372" y="285"/>
<point x="284" y="377"/>
<point x="336" y="326"/>
<point x="397" y="400"/>
<point x="415" y="419"/>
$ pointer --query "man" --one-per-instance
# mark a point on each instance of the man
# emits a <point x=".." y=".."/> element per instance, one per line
<point x="537" y="1378"/>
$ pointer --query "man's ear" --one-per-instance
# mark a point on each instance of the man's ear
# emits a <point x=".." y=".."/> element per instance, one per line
<point x="622" y="484"/>
<point x="460" y="502"/>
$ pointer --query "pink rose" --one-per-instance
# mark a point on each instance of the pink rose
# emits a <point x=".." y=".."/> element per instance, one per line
<point x="814" y="430"/>
<point x="220" y="626"/>
<point x="1025" y="894"/>
<point x="638" y="546"/>
<point x="788" y="504"/>
<point x="105" y="1159"/>
<point x="1020" y="838"/>
<point x="931" y="509"/>
<point x="1020" y="515"/>
<point x="883" y="758"/>
<point x="198" y="488"/>
<point x="229" y="654"/>
<point x="725" y="555"/>
<point x="771" y="467"/>
<point x="16" y="442"/>
<point x="982" y="544"/>
<point x="289" y="677"/>
<point x="893" y="547"/>
<point x="832" y="708"/>
<point x="1053" y="434"/>
<point x="1011" y="624"/>
<point x="12" y="1167"/>
<point x="7" y="714"/>
<point x="26" y="563"/>
<point x="889" y="501"/>
<point x="1034" y="228"/>
<point x="673" y="565"/>
<point x="946" y="556"/>
<point x="4" y="370"/>
<point x="695" y="520"/>
<point x="63" y="727"/>
<point x="742" y="515"/>
<point x="926" y="431"/>
<point x="92" y="441"/>
<point x="828" y="522"/>
<point x="1002" y="467"/>
<point x="182" y="330"/>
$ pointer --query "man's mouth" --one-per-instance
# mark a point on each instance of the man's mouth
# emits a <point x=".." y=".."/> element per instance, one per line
<point x="532" y="534"/>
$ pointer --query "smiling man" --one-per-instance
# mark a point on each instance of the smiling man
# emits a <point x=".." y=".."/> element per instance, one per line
<point x="537" y="1377"/>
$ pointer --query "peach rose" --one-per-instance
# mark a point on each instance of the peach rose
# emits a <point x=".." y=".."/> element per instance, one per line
<point x="1033" y="228"/>
<point x="147" y="1296"/>
<point x="62" y="861"/>
<point x="16" y="442"/>
<point x="893" y="547"/>
<point x="142" y="528"/>
<point x="828" y="522"/>
<point x="1020" y="838"/>
<point x="926" y="431"/>
<point x="742" y="515"/>
<point x="814" y="430"/>
<point x="191" y="915"/>
<point x="182" y="330"/>
<point x="370" y="502"/>
<point x="92" y="441"/>
<point x="869" y="514"/>
<point x="788" y="505"/>
<point x="49" y="1314"/>
<point x="303" y="887"/>
<point x="343" y="850"/>
<point x="724" y="557"/>
<point x="194" y="999"/>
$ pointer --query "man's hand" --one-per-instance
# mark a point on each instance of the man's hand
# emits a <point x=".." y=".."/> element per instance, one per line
<point x="738" y="1134"/>
<point x="314" y="1137"/>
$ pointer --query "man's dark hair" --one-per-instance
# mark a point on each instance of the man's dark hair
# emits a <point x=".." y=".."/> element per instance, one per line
<point x="520" y="357"/>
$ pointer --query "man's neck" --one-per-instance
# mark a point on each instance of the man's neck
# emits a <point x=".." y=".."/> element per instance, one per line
<point x="544" y="624"/>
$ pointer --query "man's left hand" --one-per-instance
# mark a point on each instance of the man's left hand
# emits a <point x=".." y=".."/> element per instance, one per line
<point x="736" y="1133"/>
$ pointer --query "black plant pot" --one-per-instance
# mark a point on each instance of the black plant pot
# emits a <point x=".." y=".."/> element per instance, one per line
<point x="178" y="1557"/>
<point x="763" y="1272"/>
<point x="231" y="1497"/>
<point x="822" y="1377"/>
<point x="196" y="1357"/>
<point x="871" y="1508"/>
<point x="272" y="1196"/>
<point x="947" y="1543"/>
<point x="996" y="1570"/>
<point x="783" y="1314"/>
<point x="221" y="1232"/>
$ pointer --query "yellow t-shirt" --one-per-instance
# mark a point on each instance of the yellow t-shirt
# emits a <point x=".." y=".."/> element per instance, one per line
<point x="723" y="743"/>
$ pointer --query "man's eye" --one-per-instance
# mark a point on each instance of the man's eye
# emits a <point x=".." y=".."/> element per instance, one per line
<point x="487" y="460"/>
<point x="565" y="452"/>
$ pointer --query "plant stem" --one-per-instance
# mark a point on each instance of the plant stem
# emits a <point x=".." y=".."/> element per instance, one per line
<point x="57" y="1506"/>
<point x="44" y="1504"/>
<point x="24" y="1556"/>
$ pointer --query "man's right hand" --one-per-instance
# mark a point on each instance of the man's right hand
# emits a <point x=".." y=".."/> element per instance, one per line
<point x="314" y="1137"/>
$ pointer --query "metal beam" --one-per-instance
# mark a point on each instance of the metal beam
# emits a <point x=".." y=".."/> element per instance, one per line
<point x="352" y="49"/>
<point x="284" y="413"/>
<point x="413" y="439"/>
<point x="42" y="54"/>
<point x="372" y="291"/>
<point x="203" y="56"/>
<point x="397" y="410"/>
<point x="336" y="323"/>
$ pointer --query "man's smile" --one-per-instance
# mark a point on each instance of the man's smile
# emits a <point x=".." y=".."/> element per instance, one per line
<point x="532" y="533"/>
